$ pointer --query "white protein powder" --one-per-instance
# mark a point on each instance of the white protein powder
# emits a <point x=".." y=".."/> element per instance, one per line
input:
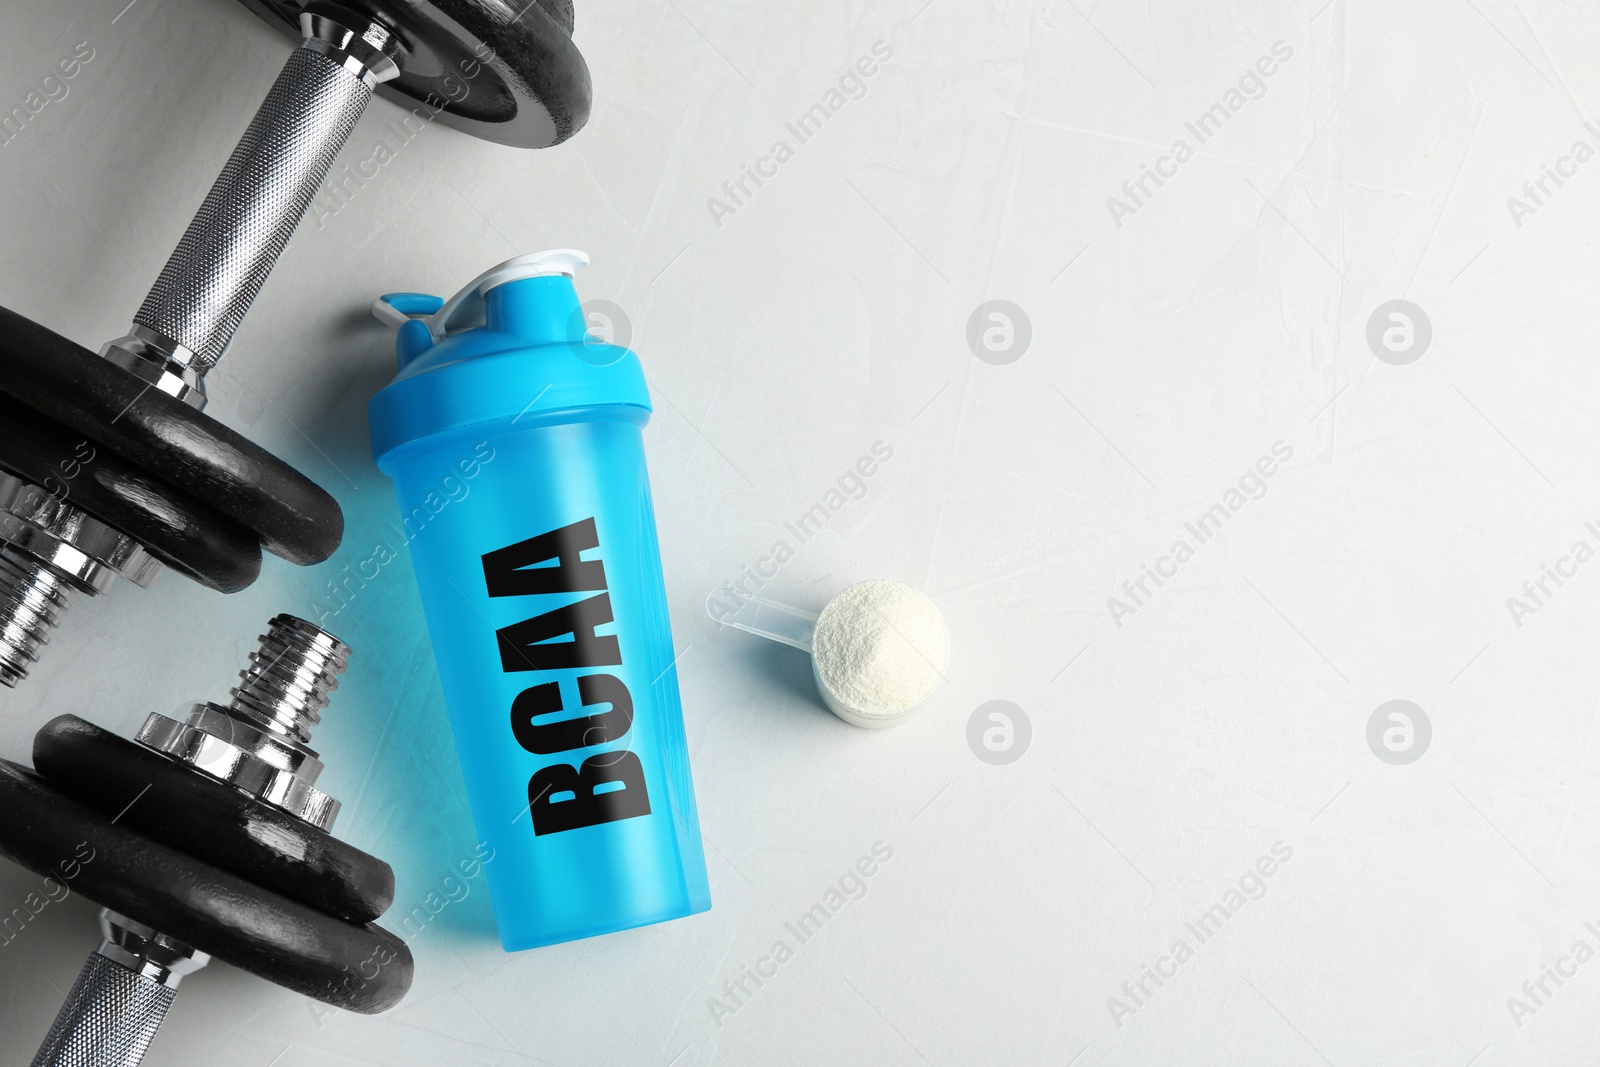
<point x="881" y="648"/>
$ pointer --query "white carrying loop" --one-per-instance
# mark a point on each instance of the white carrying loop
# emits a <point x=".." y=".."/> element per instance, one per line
<point x="388" y="314"/>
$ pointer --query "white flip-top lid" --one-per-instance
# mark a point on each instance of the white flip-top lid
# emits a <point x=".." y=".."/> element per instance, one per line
<point x="464" y="311"/>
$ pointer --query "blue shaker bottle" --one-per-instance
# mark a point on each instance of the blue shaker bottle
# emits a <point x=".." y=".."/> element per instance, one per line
<point x="516" y="447"/>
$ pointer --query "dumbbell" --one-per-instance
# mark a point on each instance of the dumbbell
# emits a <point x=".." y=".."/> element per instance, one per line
<point x="204" y="837"/>
<point x="108" y="467"/>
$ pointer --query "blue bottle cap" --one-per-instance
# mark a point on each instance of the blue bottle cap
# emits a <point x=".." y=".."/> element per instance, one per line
<point x="513" y="346"/>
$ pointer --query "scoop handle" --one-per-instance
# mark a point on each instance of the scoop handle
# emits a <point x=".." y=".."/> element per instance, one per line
<point x="773" y="620"/>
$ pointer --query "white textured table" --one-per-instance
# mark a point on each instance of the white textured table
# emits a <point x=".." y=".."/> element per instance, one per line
<point x="1198" y="208"/>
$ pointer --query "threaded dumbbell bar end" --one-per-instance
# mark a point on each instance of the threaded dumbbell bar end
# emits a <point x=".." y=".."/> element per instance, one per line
<point x="290" y="677"/>
<point x="48" y="550"/>
<point x="259" y="743"/>
<point x="32" y="600"/>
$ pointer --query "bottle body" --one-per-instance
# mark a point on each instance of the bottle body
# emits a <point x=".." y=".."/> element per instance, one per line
<point x="541" y="580"/>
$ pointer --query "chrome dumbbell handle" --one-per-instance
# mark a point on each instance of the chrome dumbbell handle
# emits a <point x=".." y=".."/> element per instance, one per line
<point x="107" y="1020"/>
<point x="211" y="279"/>
<point x="121" y="995"/>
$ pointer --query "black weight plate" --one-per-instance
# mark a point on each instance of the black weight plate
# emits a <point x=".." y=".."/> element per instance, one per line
<point x="561" y="11"/>
<point x="190" y="810"/>
<point x="504" y="71"/>
<point x="173" y="442"/>
<point x="360" y="968"/>
<point x="185" y="534"/>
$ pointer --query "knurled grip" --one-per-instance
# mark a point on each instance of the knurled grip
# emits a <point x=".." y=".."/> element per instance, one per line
<point x="107" y="1020"/>
<point x="253" y="208"/>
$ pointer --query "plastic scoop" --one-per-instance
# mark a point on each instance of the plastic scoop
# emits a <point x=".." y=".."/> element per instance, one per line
<point x="878" y="649"/>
